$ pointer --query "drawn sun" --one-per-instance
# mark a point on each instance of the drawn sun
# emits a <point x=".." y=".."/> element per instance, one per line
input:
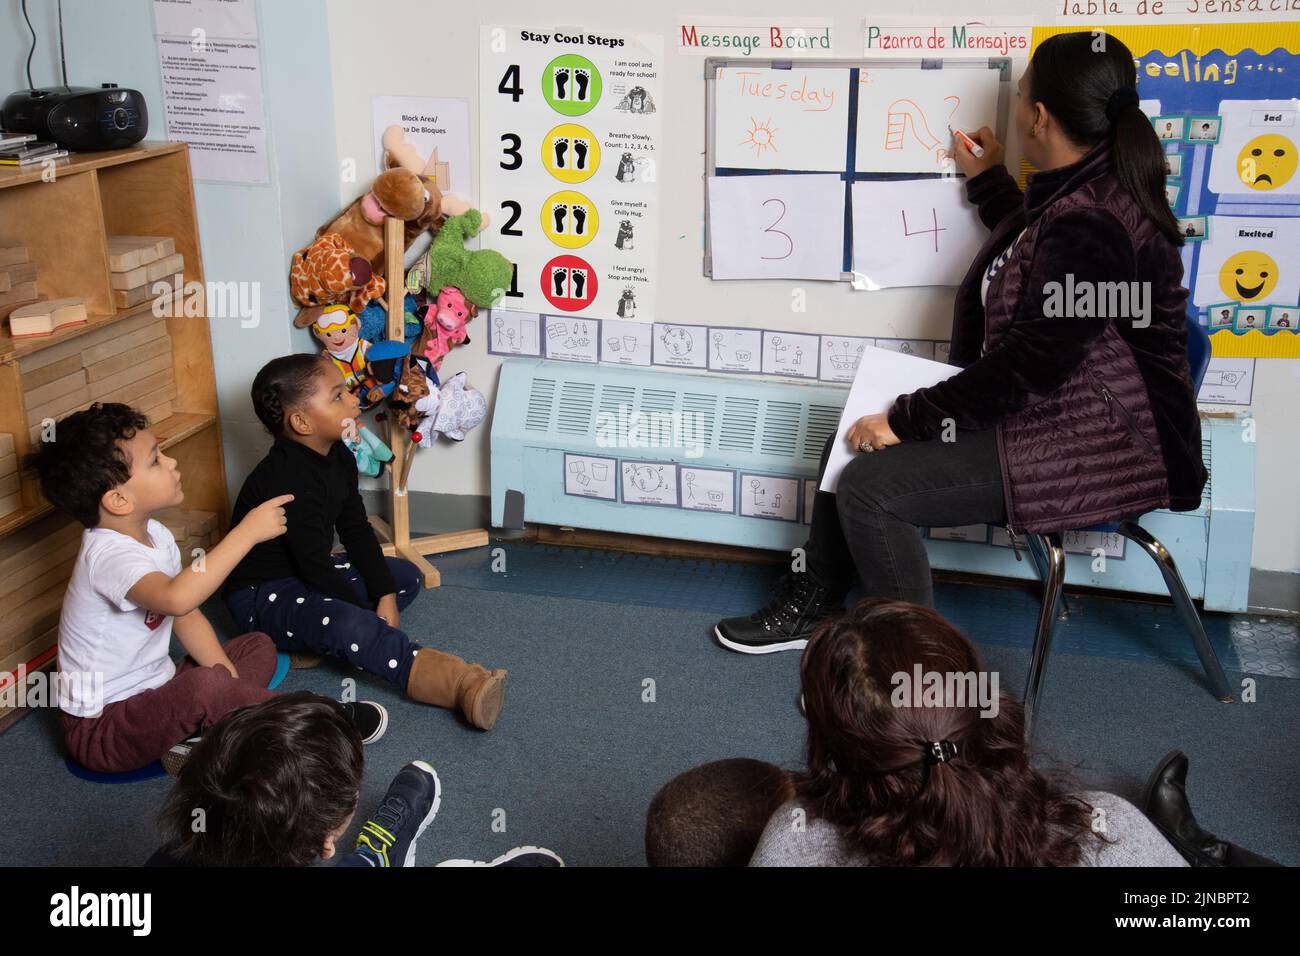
<point x="762" y="136"/>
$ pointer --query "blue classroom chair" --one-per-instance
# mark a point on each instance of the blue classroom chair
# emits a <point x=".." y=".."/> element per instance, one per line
<point x="1048" y="554"/>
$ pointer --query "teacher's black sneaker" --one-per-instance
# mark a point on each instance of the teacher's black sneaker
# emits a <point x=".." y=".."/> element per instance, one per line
<point x="388" y="838"/>
<point x="799" y="605"/>
<point x="519" y="856"/>
<point x="370" y="719"/>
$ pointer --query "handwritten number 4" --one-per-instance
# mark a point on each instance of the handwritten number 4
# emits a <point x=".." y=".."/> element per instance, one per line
<point x="778" y="232"/>
<point x="934" y="215"/>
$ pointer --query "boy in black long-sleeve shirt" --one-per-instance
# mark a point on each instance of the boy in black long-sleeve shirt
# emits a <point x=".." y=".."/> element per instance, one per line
<point x="346" y="605"/>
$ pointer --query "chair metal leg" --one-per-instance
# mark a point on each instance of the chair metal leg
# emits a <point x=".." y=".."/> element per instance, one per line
<point x="1049" y="556"/>
<point x="1183" y="604"/>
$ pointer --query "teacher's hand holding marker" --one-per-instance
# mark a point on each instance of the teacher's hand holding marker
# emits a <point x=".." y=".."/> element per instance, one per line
<point x="990" y="152"/>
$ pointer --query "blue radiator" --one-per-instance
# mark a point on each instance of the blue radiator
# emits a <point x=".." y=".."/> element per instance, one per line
<point x="647" y="451"/>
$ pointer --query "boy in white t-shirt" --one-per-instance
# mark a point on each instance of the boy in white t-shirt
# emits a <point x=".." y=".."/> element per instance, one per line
<point x="125" y="703"/>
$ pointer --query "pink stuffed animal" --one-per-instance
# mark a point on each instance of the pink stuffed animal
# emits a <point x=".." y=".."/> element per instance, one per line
<point x="444" y="322"/>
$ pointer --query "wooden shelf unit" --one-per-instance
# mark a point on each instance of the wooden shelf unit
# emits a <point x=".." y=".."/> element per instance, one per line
<point x="146" y="190"/>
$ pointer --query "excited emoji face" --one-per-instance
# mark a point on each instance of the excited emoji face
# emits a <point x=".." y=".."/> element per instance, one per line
<point x="1248" y="276"/>
<point x="1267" y="162"/>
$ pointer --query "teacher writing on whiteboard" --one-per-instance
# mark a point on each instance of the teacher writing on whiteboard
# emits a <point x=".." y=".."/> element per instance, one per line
<point x="1068" y="411"/>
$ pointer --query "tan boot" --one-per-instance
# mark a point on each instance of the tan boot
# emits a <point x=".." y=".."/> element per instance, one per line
<point x="445" y="680"/>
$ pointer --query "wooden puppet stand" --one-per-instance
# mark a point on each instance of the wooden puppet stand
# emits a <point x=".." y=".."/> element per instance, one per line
<point x="396" y="532"/>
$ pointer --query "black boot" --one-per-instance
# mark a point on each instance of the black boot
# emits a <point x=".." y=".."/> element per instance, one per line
<point x="799" y="605"/>
<point x="1164" y="801"/>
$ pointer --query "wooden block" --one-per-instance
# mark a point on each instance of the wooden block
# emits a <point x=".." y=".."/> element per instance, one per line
<point x="129" y="298"/>
<point x="165" y="267"/>
<point x="6" y="444"/>
<point x="9" y="464"/>
<point x="42" y="537"/>
<point x="157" y="396"/>
<point x="43" y="394"/>
<point x="12" y="252"/>
<point x="9" y="484"/>
<point x="60" y="406"/>
<point x="36" y="568"/>
<point x="106" y="368"/>
<point x="55" y="370"/>
<point x="17" y="297"/>
<point x="47" y="317"/>
<point x="157" y="328"/>
<point x="129" y="279"/>
<point x="55" y="573"/>
<point x="132" y="373"/>
<point x="202" y="522"/>
<point x="130" y="252"/>
<point x="10" y="503"/>
<point x="110" y="332"/>
<point x="132" y="392"/>
<point x="11" y="276"/>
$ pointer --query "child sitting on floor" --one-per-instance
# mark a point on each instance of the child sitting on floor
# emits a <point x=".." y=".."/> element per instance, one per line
<point x="347" y="605"/>
<point x="125" y="703"/>
<point x="278" y="783"/>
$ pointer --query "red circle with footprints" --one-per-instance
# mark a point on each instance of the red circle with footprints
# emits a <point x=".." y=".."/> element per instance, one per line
<point x="569" y="283"/>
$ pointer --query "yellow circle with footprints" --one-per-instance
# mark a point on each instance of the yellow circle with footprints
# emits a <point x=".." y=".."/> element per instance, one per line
<point x="571" y="153"/>
<point x="1267" y="162"/>
<point x="569" y="219"/>
<point x="1248" y="276"/>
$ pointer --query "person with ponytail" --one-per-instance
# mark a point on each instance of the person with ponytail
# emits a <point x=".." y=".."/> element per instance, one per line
<point x="900" y="777"/>
<point x="1074" y="404"/>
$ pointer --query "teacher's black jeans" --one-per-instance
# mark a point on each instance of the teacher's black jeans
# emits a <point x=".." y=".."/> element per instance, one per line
<point x="872" y="525"/>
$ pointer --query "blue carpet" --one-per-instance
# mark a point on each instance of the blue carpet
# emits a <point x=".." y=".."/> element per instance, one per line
<point x="579" y="750"/>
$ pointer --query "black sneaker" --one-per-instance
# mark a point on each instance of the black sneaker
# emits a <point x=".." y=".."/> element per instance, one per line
<point x="519" y="856"/>
<point x="175" y="758"/>
<point x="799" y="605"/>
<point x="370" y="719"/>
<point x="388" y="838"/>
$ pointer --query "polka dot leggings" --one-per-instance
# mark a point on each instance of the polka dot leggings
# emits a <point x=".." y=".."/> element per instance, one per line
<point x="300" y="619"/>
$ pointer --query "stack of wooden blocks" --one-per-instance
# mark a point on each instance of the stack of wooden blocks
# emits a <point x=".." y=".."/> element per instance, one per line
<point x="35" y="564"/>
<point x="191" y="529"/>
<point x="11" y="496"/>
<point x="129" y="362"/>
<point x="17" y="277"/>
<point x="138" y="262"/>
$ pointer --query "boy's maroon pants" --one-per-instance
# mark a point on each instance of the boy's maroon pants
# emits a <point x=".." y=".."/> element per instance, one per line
<point x="133" y="733"/>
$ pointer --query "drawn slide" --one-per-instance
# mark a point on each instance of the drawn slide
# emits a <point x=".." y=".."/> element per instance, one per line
<point x="924" y="232"/>
<point x="680" y="346"/>
<point x="781" y="119"/>
<point x="776" y="227"/>
<point x="809" y="496"/>
<point x="572" y="340"/>
<point x="978" y="533"/>
<point x="649" y="483"/>
<point x="625" y="343"/>
<point x="767" y="496"/>
<point x="790" y="353"/>
<point x="840" y="356"/>
<point x="1256" y="155"/>
<point x="735" y="350"/>
<point x="588" y="476"/>
<point x="708" y="489"/>
<point x="904" y="115"/>
<point x="513" y="333"/>
<point x="1228" y="381"/>
<point x="1253" y="260"/>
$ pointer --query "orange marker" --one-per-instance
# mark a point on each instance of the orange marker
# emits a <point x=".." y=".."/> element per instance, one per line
<point x="976" y="149"/>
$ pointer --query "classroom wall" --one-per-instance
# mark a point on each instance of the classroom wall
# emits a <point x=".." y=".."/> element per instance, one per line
<point x="323" y="62"/>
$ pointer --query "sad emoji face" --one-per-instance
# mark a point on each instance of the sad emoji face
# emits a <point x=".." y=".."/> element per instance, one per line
<point x="1248" y="276"/>
<point x="1267" y="162"/>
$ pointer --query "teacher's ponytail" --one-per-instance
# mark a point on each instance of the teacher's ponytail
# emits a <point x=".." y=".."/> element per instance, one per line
<point x="1088" y="82"/>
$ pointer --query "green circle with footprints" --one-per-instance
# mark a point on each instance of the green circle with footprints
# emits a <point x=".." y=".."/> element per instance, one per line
<point x="571" y="84"/>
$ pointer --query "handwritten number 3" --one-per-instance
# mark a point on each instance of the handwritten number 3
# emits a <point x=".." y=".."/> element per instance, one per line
<point x="778" y="232"/>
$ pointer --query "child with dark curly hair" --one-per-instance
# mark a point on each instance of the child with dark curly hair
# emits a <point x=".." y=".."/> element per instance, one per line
<point x="346" y="605"/>
<point x="125" y="703"/>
